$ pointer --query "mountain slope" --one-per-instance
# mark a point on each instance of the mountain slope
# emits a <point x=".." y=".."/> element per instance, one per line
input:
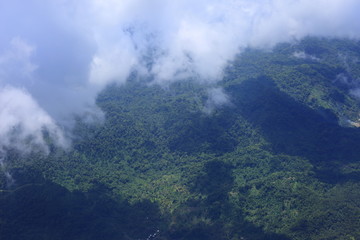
<point x="278" y="160"/>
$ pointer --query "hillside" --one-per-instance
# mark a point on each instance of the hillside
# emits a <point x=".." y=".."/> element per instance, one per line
<point x="269" y="152"/>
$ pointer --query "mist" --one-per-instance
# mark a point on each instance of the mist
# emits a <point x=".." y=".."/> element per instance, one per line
<point x="56" y="56"/>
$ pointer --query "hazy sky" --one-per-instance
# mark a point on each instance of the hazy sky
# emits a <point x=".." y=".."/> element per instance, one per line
<point x="55" y="56"/>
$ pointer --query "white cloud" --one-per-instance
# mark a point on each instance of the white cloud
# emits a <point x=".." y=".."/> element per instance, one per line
<point x="115" y="65"/>
<point x="23" y="122"/>
<point x="199" y="38"/>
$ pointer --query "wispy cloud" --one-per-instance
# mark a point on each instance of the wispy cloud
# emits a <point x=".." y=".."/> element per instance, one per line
<point x="216" y="98"/>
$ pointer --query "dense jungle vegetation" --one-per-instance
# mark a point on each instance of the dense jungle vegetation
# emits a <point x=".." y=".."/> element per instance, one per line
<point x="279" y="159"/>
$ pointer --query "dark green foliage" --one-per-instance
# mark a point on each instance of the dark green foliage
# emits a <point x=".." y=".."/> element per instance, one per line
<point x="44" y="210"/>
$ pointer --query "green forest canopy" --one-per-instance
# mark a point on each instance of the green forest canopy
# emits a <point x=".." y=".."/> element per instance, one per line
<point x="280" y="160"/>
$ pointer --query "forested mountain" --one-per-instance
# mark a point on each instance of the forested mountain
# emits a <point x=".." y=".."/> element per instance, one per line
<point x="269" y="152"/>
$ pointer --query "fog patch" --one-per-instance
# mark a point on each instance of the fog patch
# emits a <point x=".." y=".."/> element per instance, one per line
<point x="217" y="98"/>
<point x="304" y="55"/>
